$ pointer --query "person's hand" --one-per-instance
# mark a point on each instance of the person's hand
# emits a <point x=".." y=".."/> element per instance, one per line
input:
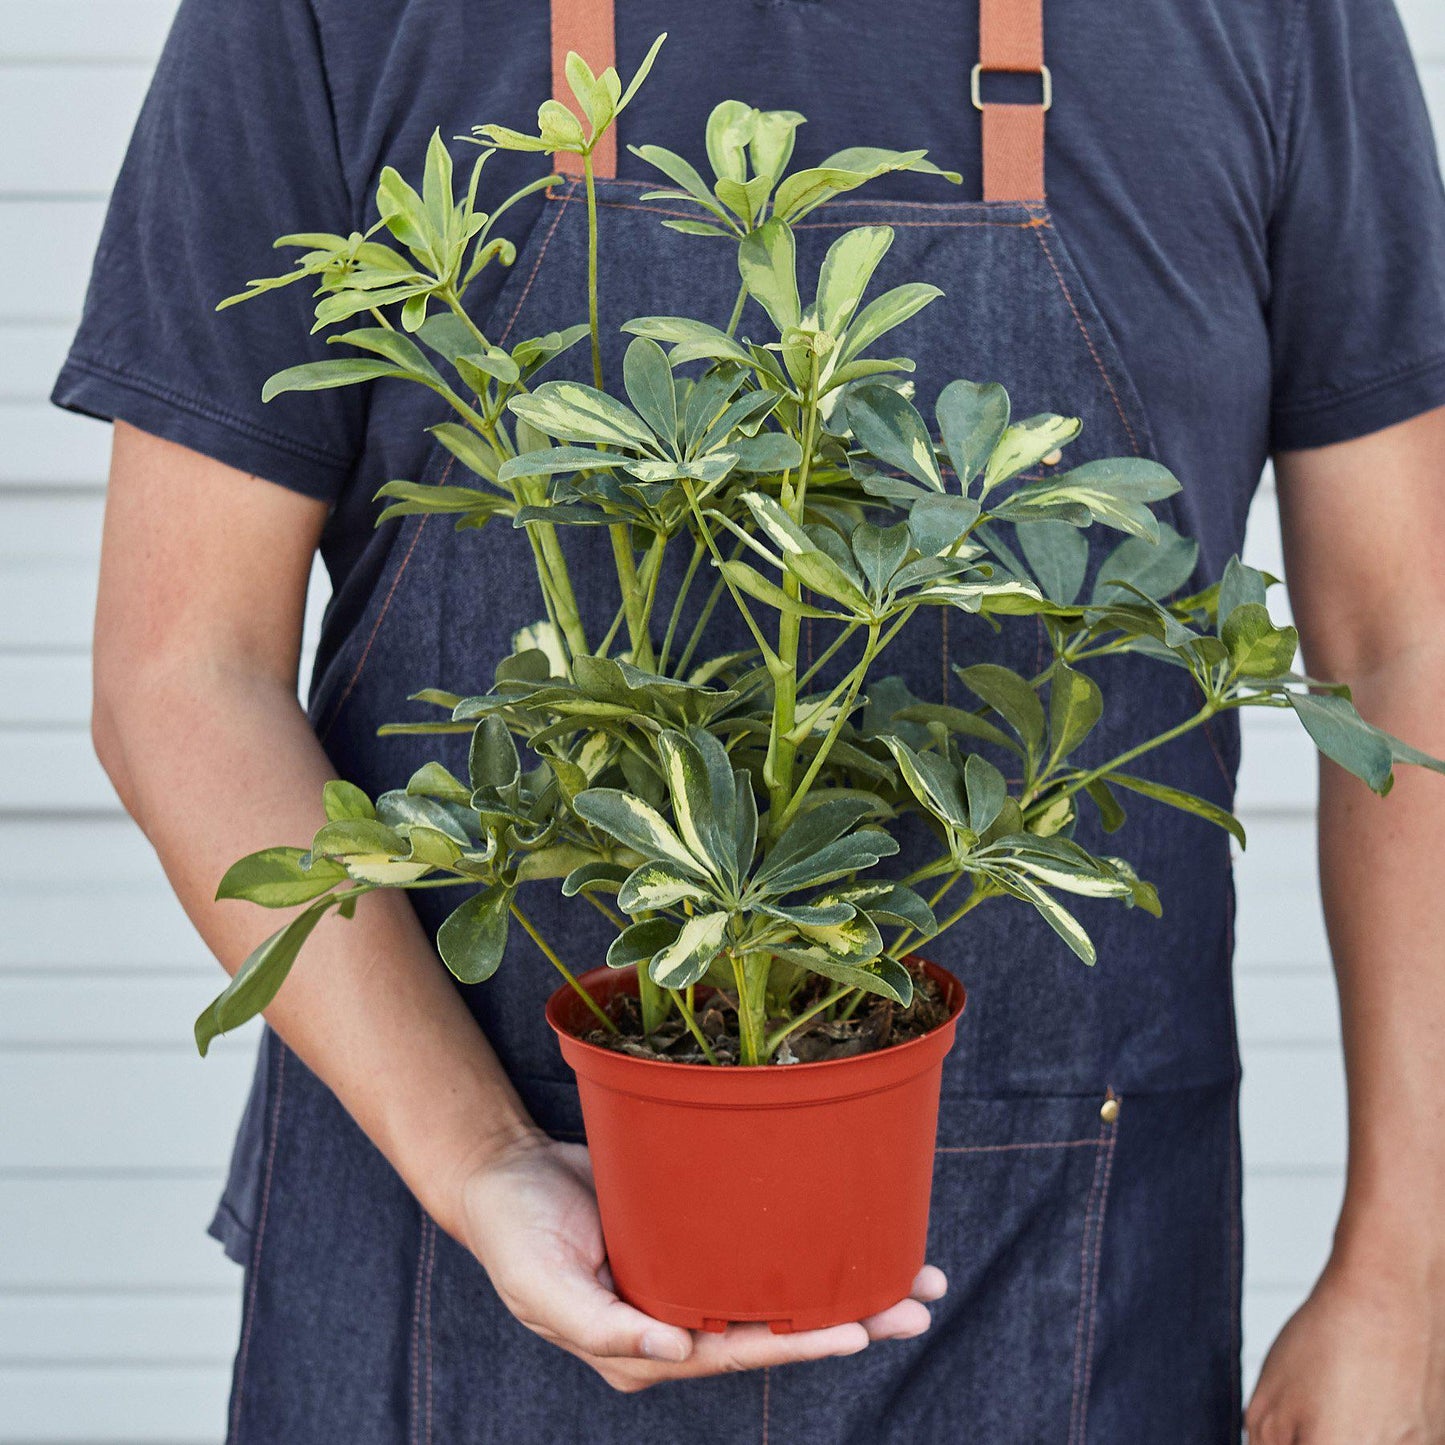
<point x="1361" y="1362"/>
<point x="530" y="1216"/>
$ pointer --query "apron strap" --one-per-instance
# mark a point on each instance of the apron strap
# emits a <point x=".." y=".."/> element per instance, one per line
<point x="585" y="26"/>
<point x="1011" y="37"/>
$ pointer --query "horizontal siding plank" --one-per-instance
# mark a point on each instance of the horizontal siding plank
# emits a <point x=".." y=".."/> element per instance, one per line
<point x="1292" y="1108"/>
<point x="110" y="31"/>
<point x="29" y="361"/>
<point x="142" y="1010"/>
<point x="138" y="1405"/>
<point x="68" y="125"/>
<point x="1289" y="1223"/>
<point x="47" y="447"/>
<point x="78" y="1327"/>
<point x="119" y="1109"/>
<point x="112" y="1234"/>
<point x="57" y="240"/>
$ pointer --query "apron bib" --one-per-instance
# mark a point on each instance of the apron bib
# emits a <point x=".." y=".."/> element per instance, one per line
<point x="1085" y="1204"/>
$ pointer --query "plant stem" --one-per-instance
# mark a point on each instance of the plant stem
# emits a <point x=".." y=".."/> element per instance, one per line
<point x="653" y="999"/>
<point x="778" y="765"/>
<point x="1082" y="780"/>
<point x="592" y="322"/>
<point x="684" y="1007"/>
<point x="563" y="969"/>
<point x="774" y="1042"/>
<point x="751" y="976"/>
<point x="698" y="549"/>
<point x="738" y="309"/>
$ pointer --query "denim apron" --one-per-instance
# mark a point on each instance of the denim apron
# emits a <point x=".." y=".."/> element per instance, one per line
<point x="1086" y="1193"/>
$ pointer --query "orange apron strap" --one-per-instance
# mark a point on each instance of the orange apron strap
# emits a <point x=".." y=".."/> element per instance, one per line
<point x="585" y="26"/>
<point x="1011" y="37"/>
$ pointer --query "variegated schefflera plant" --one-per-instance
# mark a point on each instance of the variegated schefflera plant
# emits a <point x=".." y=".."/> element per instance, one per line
<point x="736" y="816"/>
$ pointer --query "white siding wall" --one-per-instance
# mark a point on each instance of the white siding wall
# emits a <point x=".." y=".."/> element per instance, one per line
<point x="117" y="1315"/>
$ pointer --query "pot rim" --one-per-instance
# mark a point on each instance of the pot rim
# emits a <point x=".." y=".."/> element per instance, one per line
<point x="956" y="993"/>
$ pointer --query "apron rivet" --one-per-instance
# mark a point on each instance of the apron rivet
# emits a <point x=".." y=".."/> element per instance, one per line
<point x="1109" y="1110"/>
<point x="1053" y="458"/>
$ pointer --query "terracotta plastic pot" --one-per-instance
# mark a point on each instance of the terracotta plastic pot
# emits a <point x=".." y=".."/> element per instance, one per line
<point x="794" y="1194"/>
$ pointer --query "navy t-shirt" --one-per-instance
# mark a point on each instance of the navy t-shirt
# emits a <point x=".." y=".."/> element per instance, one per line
<point x="1249" y="188"/>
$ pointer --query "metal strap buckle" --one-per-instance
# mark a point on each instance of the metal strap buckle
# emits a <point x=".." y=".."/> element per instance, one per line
<point x="975" y="83"/>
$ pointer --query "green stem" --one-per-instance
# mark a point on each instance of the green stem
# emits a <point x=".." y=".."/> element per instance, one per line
<point x="737" y="596"/>
<point x="653" y="998"/>
<point x="751" y="976"/>
<point x="778" y="765"/>
<point x="563" y="969"/>
<point x="738" y="309"/>
<point x="698" y="549"/>
<point x="1082" y="780"/>
<point x="775" y="1041"/>
<point x="592" y="321"/>
<point x="684" y="1007"/>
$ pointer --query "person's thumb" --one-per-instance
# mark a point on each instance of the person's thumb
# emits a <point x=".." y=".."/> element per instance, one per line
<point x="593" y="1320"/>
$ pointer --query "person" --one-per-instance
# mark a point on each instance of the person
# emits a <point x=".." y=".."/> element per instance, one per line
<point x="1241" y="252"/>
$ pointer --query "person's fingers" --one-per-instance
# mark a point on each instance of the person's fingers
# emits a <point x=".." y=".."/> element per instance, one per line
<point x="751" y="1347"/>
<point x="573" y="1306"/>
<point x="902" y="1321"/>
<point x="930" y="1284"/>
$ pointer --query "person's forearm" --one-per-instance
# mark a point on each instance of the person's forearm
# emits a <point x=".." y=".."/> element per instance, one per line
<point x="214" y="764"/>
<point x="1380" y="877"/>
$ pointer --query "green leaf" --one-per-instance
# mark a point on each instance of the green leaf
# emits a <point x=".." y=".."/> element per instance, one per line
<point x="395" y="347"/>
<point x="324" y="375"/>
<point x="767" y="262"/>
<point x="635" y="825"/>
<point x="492" y="760"/>
<point x="1075" y="705"/>
<point x="696" y="339"/>
<point x="1055" y="915"/>
<point x="1011" y="697"/>
<point x="1058" y="555"/>
<point x="579" y="413"/>
<point x="1257" y="648"/>
<point x="856" y="852"/>
<point x="660" y="885"/>
<point x="1158" y="569"/>
<point x="987" y="792"/>
<point x="972" y="418"/>
<point x="939" y="523"/>
<point x="880" y="316"/>
<point x="637" y="945"/>
<point x="1114" y="490"/>
<point x="888" y="426"/>
<point x="1344" y="737"/>
<point x="468" y="448"/>
<point x="274" y="878"/>
<point x="932" y="781"/>
<point x="729" y="129"/>
<point x="648" y="379"/>
<point x="258" y="979"/>
<point x="846" y="271"/>
<point x="473" y="938"/>
<point x="700" y="782"/>
<point x="883" y="976"/>
<point x="1111" y="813"/>
<point x="685" y="960"/>
<point x="345" y="800"/>
<point x="1240" y="584"/>
<point x="1025" y="444"/>
<point x="1185" y="802"/>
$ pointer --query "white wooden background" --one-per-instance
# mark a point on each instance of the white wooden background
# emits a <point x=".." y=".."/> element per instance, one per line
<point x="117" y="1314"/>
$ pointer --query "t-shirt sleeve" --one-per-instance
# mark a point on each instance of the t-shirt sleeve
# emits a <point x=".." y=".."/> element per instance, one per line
<point x="1357" y="305"/>
<point x="235" y="146"/>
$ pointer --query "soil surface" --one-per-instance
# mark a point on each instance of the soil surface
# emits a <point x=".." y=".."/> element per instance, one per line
<point x="876" y="1023"/>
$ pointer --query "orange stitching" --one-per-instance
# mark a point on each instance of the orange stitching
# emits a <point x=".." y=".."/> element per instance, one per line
<point x="1007" y="1148"/>
<point x="451" y="461"/>
<point x="1089" y="342"/>
<point x="1094" y="1286"/>
<point x="260" y="1235"/>
<point x="1084" y="1280"/>
<point x="416" y="1334"/>
<point x="431" y="1259"/>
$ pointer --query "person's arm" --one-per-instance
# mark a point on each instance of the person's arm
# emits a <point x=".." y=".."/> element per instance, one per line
<point x="1363" y="1361"/>
<point x="196" y="720"/>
